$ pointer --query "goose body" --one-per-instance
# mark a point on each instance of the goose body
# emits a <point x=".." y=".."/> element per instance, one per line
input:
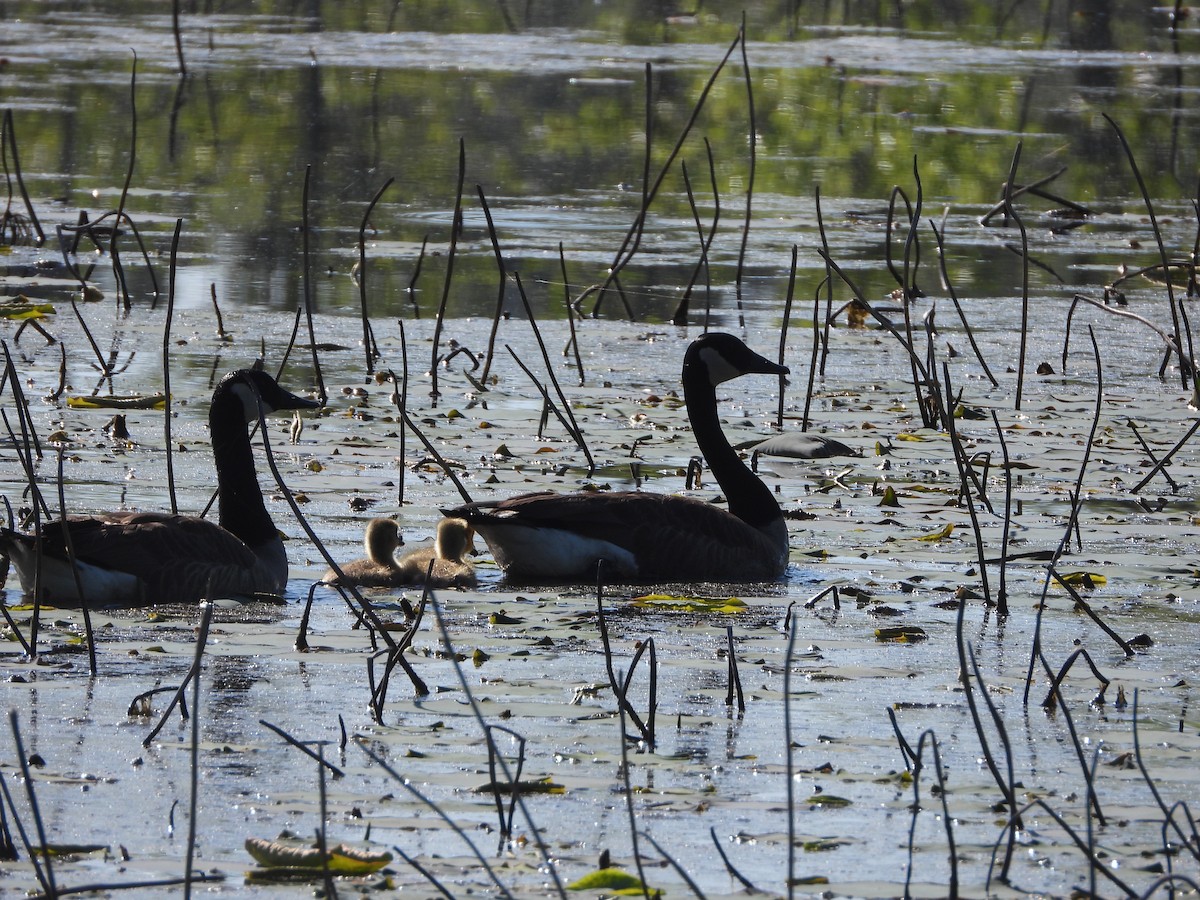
<point x="652" y="537"/>
<point x="381" y="568"/>
<point x="142" y="558"/>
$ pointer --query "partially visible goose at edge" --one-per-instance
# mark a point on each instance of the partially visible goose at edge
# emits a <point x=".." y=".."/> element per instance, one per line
<point x="652" y="537"/>
<point x="454" y="542"/>
<point x="142" y="558"/>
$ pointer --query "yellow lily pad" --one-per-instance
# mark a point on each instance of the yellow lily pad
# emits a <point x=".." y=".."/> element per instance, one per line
<point x="615" y="881"/>
<point x="342" y="859"/>
<point x="132" y="401"/>
<point x="691" y="604"/>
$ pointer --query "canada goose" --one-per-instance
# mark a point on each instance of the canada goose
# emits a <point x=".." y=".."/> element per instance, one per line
<point x="134" y="559"/>
<point x="455" y="540"/>
<point x="652" y="537"/>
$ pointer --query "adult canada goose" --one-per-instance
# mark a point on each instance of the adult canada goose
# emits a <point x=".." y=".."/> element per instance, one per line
<point x="652" y="537"/>
<point x="454" y="542"/>
<point x="133" y="559"/>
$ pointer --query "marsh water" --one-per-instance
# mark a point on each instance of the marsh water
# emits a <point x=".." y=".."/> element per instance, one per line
<point x="299" y="114"/>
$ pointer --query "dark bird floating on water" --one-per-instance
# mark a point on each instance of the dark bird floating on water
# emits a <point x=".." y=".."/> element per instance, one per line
<point x="451" y="568"/>
<point x="652" y="537"/>
<point x="138" y="559"/>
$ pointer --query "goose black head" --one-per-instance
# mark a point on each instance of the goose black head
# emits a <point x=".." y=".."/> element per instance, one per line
<point x="722" y="356"/>
<point x="253" y="386"/>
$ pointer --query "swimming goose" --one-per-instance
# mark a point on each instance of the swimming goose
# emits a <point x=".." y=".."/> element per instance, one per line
<point x="652" y="537"/>
<point x="136" y="559"/>
<point x="454" y="542"/>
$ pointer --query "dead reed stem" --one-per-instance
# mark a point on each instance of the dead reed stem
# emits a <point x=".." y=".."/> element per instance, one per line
<point x="400" y="398"/>
<point x="1051" y="700"/>
<point x="1002" y="589"/>
<point x="965" y="679"/>
<point x="369" y="349"/>
<point x="206" y="614"/>
<point x="114" y="253"/>
<point x="626" y="782"/>
<point x="539" y="841"/>
<point x="965" y="480"/>
<point x="70" y="548"/>
<point x="624" y="253"/>
<point x="573" y="342"/>
<point x="323" y="763"/>
<point x="1011" y="212"/>
<point x="406" y="784"/>
<point x="43" y="869"/>
<point x="1179" y="320"/>
<point x="789" y="760"/>
<point x="947" y="819"/>
<point x="502" y="286"/>
<point x="679" y="870"/>
<point x="962" y="317"/>
<point x="177" y="32"/>
<point x="308" y="287"/>
<point x="787" y="318"/>
<point x="735" y="679"/>
<point x="619" y="688"/>
<point x="729" y="866"/>
<point x="1191" y="842"/>
<point x="166" y="363"/>
<point x="455" y="228"/>
<point x="364" y="607"/>
<point x="752" y="139"/>
<point x="433" y="451"/>
<point x="9" y="143"/>
<point x="573" y="427"/>
<point x="1091" y="614"/>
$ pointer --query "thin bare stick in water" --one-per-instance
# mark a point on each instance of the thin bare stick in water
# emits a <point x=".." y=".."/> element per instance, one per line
<point x="400" y="398"/>
<point x="455" y="227"/>
<point x="569" y="426"/>
<point x="538" y="839"/>
<point x="303" y="748"/>
<point x="1153" y="458"/>
<point x="964" y="466"/>
<point x="501" y="286"/>
<point x="1187" y="367"/>
<point x="941" y="249"/>
<point x="1091" y="614"/>
<point x="752" y="137"/>
<point x="1158" y="465"/>
<point x="70" y="548"/>
<point x="622" y="257"/>
<point x="735" y="679"/>
<point x="789" y="761"/>
<point x="206" y="614"/>
<point x="433" y="451"/>
<point x="118" y="270"/>
<point x="787" y="317"/>
<point x="731" y="868"/>
<point x="576" y="431"/>
<point x="364" y="607"/>
<point x="44" y="870"/>
<point x="1051" y="699"/>
<point x="166" y="364"/>
<point x="175" y="29"/>
<point x="679" y="870"/>
<point x="574" y="341"/>
<point x="10" y="141"/>
<point x="1011" y="212"/>
<point x="368" y="338"/>
<point x="222" y="334"/>
<point x="625" y="780"/>
<point x="308" y="287"/>
<point x="406" y="784"/>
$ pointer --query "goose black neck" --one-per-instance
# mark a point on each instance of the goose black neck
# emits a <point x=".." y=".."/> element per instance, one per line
<point x="749" y="499"/>
<point x="239" y="498"/>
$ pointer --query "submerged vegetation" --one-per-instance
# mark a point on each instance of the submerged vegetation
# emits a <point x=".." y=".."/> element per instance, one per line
<point x="486" y="255"/>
